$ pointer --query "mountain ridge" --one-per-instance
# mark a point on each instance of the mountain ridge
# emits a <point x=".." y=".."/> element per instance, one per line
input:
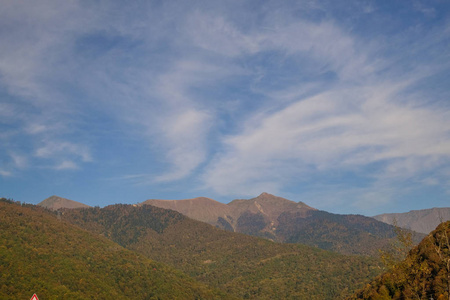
<point x="422" y="220"/>
<point x="282" y="220"/>
<point x="227" y="216"/>
<point x="287" y="221"/>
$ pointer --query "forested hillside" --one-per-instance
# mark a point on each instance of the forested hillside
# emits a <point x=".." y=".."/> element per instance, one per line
<point x="244" y="266"/>
<point x="57" y="260"/>
<point x="424" y="274"/>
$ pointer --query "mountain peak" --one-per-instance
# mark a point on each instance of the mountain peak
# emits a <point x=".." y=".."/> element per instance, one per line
<point x="272" y="199"/>
<point x="265" y="194"/>
<point x="55" y="202"/>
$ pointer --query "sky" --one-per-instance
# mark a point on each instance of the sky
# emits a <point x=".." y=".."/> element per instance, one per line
<point x="343" y="105"/>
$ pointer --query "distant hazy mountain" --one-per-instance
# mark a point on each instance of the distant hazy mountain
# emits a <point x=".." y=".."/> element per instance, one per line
<point x="423" y="221"/>
<point x="284" y="220"/>
<point x="55" y="203"/>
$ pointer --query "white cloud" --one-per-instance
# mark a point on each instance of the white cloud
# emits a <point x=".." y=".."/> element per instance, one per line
<point x="185" y="133"/>
<point x="345" y="130"/>
<point x="52" y="150"/>
<point x="33" y="47"/>
<point x="326" y="44"/>
<point x="5" y="173"/>
<point x="66" y="165"/>
<point x="19" y="161"/>
<point x="36" y="36"/>
<point x="214" y="33"/>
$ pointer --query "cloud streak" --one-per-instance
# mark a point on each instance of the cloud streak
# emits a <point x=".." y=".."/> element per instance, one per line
<point x="345" y="130"/>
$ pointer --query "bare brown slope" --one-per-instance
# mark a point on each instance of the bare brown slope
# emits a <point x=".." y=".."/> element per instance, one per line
<point x="55" y="203"/>
<point x="200" y="208"/>
<point x="259" y="216"/>
<point x="268" y="205"/>
<point x="260" y="213"/>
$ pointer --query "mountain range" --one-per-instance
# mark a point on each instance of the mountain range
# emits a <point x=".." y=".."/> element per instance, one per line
<point x="283" y="220"/>
<point x="278" y="219"/>
<point x="261" y="215"/>
<point x="144" y="251"/>
<point x="254" y="216"/>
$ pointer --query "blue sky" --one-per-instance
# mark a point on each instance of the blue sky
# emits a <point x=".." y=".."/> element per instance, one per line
<point x="342" y="105"/>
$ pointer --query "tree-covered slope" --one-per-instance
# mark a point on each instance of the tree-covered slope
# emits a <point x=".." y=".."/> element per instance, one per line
<point x="424" y="274"/>
<point x="245" y="266"/>
<point x="57" y="260"/>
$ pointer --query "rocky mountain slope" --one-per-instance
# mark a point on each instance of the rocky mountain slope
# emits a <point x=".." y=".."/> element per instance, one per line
<point x="424" y="220"/>
<point x="239" y="215"/>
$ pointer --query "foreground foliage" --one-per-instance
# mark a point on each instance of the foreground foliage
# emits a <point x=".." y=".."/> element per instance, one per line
<point x="424" y="274"/>
<point x="56" y="260"/>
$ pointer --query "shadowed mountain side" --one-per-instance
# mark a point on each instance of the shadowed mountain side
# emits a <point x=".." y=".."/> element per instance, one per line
<point x="424" y="274"/>
<point x="424" y="220"/>
<point x="348" y="234"/>
<point x="57" y="260"/>
<point x="55" y="203"/>
<point x="245" y="266"/>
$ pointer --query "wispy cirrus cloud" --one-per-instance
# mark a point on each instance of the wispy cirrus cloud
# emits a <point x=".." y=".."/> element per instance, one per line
<point x="337" y="131"/>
